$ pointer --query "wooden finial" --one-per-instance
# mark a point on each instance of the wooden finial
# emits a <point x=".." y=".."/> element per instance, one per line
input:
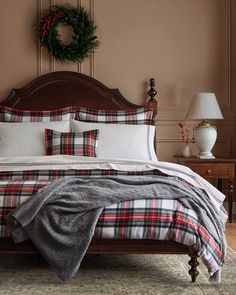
<point x="152" y="103"/>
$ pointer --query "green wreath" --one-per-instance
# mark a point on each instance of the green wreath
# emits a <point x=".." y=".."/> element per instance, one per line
<point x="83" y="40"/>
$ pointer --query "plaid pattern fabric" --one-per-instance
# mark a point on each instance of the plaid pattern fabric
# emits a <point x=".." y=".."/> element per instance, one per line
<point x="159" y="219"/>
<point x="134" y="116"/>
<point x="19" y="116"/>
<point x="71" y="143"/>
<point x="50" y="175"/>
<point x="140" y="219"/>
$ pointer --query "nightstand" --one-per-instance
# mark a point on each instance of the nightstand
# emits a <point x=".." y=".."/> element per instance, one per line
<point x="214" y="169"/>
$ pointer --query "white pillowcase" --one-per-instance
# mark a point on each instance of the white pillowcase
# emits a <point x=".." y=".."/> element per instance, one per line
<point x="27" y="139"/>
<point x="121" y="140"/>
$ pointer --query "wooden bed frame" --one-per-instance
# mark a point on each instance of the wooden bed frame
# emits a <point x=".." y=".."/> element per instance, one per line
<point x="61" y="89"/>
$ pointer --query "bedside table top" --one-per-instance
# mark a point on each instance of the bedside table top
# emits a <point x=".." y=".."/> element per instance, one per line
<point x="192" y="159"/>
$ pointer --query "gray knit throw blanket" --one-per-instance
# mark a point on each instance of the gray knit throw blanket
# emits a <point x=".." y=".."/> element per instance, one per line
<point x="61" y="218"/>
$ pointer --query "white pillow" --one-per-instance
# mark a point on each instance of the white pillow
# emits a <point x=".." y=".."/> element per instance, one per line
<point x="121" y="140"/>
<point x="27" y="139"/>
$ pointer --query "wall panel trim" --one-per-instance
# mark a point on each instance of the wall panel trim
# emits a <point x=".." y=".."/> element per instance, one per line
<point x="39" y="48"/>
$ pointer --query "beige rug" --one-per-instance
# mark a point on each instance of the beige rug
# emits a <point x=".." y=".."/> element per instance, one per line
<point x="115" y="275"/>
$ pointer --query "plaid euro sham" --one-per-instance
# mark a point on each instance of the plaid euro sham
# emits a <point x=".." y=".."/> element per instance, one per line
<point x="144" y="116"/>
<point x="71" y="143"/>
<point x="21" y="116"/>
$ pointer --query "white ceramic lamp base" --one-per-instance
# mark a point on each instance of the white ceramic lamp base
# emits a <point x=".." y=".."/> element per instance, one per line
<point x="205" y="138"/>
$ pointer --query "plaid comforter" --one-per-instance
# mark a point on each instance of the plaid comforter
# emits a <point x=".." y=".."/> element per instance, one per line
<point x="140" y="219"/>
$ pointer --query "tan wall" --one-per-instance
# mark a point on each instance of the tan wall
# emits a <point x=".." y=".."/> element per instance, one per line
<point x="183" y="44"/>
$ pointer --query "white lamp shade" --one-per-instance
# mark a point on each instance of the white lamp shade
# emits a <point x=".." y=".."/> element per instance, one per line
<point x="204" y="106"/>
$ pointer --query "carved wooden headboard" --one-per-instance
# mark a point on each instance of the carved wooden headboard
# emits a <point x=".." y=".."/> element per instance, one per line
<point x="61" y="89"/>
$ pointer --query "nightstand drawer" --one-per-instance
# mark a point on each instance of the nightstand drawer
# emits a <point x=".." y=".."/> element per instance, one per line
<point x="225" y="170"/>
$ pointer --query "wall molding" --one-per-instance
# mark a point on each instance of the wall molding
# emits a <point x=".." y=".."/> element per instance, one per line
<point x="52" y="58"/>
<point x="229" y="20"/>
<point x="39" y="48"/>
<point x="92" y="12"/>
<point x="228" y="102"/>
<point x="173" y="121"/>
<point x="79" y="65"/>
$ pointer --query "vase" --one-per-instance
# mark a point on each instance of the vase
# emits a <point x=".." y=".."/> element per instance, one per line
<point x="187" y="152"/>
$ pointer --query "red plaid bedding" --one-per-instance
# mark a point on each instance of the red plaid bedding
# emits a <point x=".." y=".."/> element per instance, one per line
<point x="134" y="116"/>
<point x="18" y="116"/>
<point x="140" y="219"/>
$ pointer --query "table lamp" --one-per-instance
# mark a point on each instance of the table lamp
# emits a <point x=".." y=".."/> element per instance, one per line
<point x="204" y="106"/>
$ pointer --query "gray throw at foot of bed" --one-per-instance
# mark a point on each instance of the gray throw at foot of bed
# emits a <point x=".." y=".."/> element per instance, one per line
<point x="60" y="219"/>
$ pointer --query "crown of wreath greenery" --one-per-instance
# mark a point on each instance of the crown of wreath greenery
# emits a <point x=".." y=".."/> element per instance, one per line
<point x="83" y="41"/>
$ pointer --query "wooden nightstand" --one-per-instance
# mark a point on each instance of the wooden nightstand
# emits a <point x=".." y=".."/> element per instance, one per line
<point x="214" y="169"/>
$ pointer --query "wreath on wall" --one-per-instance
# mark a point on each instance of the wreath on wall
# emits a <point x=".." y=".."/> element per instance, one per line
<point x="83" y="41"/>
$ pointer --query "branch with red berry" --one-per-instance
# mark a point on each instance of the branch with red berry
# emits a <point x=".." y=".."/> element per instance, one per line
<point x="185" y="135"/>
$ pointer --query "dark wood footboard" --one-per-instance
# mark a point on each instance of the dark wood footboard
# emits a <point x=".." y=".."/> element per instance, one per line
<point x="110" y="246"/>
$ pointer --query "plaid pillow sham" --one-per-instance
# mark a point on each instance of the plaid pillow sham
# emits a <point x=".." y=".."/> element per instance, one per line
<point x="144" y="116"/>
<point x="20" y="116"/>
<point x="71" y="143"/>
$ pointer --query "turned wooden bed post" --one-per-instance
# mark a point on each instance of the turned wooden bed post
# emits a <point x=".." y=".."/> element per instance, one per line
<point x="152" y="102"/>
<point x="194" y="264"/>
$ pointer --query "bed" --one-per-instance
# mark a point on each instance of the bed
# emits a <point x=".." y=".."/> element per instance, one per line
<point x="59" y="90"/>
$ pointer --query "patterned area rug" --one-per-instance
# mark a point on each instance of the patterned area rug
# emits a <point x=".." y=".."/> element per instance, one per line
<point x="115" y="275"/>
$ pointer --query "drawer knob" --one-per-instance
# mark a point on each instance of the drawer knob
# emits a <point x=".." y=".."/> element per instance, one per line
<point x="209" y="171"/>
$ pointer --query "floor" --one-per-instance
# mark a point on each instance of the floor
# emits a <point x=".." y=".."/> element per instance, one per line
<point x="231" y="233"/>
<point x="115" y="275"/>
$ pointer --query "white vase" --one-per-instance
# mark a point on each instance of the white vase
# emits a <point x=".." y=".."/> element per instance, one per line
<point x="187" y="152"/>
<point x="205" y="138"/>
